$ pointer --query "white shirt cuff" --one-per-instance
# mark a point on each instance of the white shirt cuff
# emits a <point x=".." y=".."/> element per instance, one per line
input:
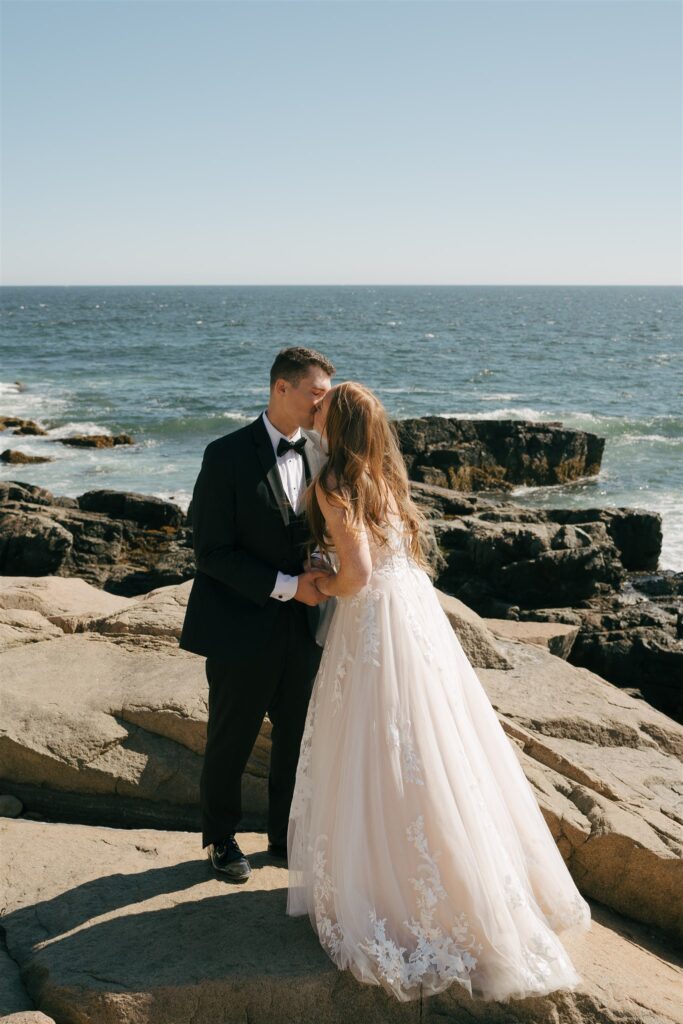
<point x="285" y="587"/>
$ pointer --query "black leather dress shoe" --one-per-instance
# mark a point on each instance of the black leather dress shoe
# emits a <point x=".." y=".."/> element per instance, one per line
<point x="227" y="858"/>
<point x="277" y="850"/>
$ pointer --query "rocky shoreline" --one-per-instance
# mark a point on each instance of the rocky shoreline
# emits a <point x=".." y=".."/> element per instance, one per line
<point x="29" y="428"/>
<point x="109" y="912"/>
<point x="595" y="569"/>
<point x="591" y="568"/>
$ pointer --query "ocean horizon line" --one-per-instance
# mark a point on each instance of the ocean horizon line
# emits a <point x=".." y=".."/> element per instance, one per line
<point x="333" y="284"/>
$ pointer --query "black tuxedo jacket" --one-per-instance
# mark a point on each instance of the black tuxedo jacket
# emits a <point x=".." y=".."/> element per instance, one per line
<point x="244" y="531"/>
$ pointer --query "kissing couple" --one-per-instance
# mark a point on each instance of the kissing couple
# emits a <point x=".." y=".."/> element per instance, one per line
<point x="413" y="839"/>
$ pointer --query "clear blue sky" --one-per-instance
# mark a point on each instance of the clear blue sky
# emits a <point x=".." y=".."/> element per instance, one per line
<point x="379" y="141"/>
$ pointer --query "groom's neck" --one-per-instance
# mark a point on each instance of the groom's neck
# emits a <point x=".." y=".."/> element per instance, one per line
<point x="281" y="421"/>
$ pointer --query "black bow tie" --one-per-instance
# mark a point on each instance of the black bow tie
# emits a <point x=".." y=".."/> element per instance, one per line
<point x="296" y="446"/>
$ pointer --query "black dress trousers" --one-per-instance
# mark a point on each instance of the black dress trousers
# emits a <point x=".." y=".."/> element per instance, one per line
<point x="277" y="679"/>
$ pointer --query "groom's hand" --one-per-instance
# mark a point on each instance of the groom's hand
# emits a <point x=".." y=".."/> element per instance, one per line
<point x="306" y="590"/>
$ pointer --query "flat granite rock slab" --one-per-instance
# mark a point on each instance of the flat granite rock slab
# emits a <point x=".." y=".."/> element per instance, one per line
<point x="81" y="713"/>
<point x="92" y="723"/>
<point x="557" y="637"/>
<point x="22" y="626"/>
<point x="26" y="1017"/>
<point x="117" y="925"/>
<point x="59" y="598"/>
<point x="608" y="774"/>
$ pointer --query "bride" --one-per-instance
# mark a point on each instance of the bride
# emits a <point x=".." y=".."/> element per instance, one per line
<point x="415" y="842"/>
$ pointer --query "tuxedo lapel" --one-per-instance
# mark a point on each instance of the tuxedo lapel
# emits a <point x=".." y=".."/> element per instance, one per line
<point x="266" y="456"/>
<point x="313" y="457"/>
<point x="307" y="466"/>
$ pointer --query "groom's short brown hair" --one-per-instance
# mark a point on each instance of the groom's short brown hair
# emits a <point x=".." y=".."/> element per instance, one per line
<point x="291" y="364"/>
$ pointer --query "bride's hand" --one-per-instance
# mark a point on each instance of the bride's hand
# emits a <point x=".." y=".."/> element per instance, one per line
<point x="321" y="582"/>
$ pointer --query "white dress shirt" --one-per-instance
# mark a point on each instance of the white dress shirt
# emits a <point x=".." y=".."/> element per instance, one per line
<point x="293" y="476"/>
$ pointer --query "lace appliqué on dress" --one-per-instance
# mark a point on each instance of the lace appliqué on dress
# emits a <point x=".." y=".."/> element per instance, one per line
<point x="414" y="622"/>
<point x="399" y="737"/>
<point x="345" y="660"/>
<point x="397" y="566"/>
<point x="303" y="788"/>
<point x="568" y="914"/>
<point x="368" y="623"/>
<point x="436" y="953"/>
<point x="329" y="932"/>
<point x="394" y="564"/>
<point x="538" y="953"/>
<point x="515" y="896"/>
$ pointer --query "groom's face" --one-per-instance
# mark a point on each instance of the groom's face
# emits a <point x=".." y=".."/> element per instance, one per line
<point x="321" y="412"/>
<point x="302" y="399"/>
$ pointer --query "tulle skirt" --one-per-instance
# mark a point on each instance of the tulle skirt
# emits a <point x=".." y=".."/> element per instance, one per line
<point x="416" y="844"/>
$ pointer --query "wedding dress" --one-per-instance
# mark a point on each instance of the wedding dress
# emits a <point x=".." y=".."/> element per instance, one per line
<point x="416" y="844"/>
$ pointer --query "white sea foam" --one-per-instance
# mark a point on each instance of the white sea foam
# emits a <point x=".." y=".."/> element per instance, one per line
<point x="615" y="424"/>
<point x="512" y="413"/>
<point x="38" y="402"/>
<point x="72" y="429"/>
<point x="626" y="439"/>
<point x="589" y="417"/>
<point x="236" y="414"/>
<point x="30" y="445"/>
<point x="521" y="490"/>
<point x="403" y="391"/>
<point x="500" y="396"/>
<point x="179" y="496"/>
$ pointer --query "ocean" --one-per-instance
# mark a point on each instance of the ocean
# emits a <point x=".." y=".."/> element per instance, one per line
<point x="177" y="366"/>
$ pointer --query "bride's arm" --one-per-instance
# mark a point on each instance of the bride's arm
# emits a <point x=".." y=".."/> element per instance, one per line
<point x="353" y="551"/>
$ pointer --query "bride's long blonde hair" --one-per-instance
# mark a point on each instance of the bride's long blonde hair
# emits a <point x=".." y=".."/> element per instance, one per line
<point x="364" y="471"/>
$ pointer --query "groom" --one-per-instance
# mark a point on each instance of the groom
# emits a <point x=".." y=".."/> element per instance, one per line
<point x="252" y="610"/>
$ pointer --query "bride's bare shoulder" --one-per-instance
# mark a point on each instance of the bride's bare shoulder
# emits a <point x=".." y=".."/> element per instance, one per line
<point x="325" y="484"/>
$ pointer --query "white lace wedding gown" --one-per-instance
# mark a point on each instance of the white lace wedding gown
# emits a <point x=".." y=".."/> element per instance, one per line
<point x="416" y="844"/>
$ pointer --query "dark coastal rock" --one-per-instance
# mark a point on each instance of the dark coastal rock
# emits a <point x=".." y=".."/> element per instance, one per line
<point x="96" y="440"/>
<point x="143" y="509"/>
<point x="476" y="455"/>
<point x="125" y="543"/>
<point x="635" y="534"/>
<point x="633" y="639"/>
<point x="592" y="568"/>
<point x="20" y="425"/>
<point x="15" y="490"/>
<point x="32" y="543"/>
<point x="31" y="430"/>
<point x="13" y="457"/>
